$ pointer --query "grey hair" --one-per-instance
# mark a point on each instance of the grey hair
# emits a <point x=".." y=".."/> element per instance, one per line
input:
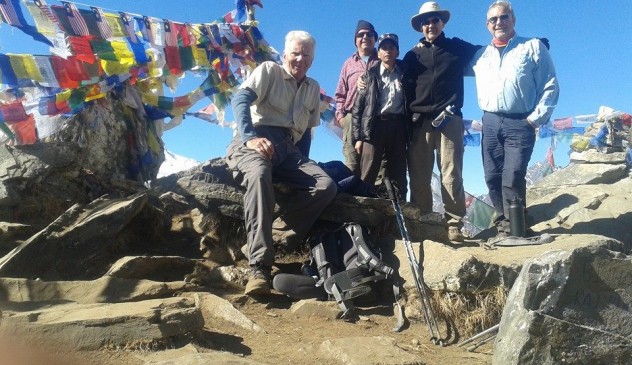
<point x="505" y="4"/>
<point x="299" y="36"/>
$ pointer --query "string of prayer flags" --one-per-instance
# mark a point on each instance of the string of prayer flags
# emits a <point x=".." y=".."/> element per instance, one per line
<point x="93" y="51"/>
<point x="12" y="14"/>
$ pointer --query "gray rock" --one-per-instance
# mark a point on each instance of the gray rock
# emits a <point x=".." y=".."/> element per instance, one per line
<point x="212" y="186"/>
<point x="213" y="306"/>
<point x="93" y="326"/>
<point x="578" y="174"/>
<point x="83" y="236"/>
<point x="604" y="209"/>
<point x="156" y="268"/>
<point x="569" y="306"/>
<point x="594" y="156"/>
<point x="463" y="268"/>
<point x="211" y="357"/>
<point x="14" y="291"/>
<point x="368" y="351"/>
<point x="327" y="310"/>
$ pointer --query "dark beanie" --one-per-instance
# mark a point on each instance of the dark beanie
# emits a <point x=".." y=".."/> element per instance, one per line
<point x="363" y="24"/>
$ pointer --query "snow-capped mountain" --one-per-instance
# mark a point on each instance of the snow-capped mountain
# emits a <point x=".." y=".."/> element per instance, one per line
<point x="175" y="163"/>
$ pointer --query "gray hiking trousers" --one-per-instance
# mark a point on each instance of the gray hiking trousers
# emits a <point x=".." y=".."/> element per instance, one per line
<point x="312" y="190"/>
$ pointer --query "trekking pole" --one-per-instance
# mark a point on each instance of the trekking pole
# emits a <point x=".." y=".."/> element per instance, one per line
<point x="490" y="331"/>
<point x="416" y="267"/>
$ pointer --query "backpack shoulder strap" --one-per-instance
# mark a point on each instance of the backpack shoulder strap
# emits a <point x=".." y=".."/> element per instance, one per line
<point x="370" y="260"/>
<point x="366" y="257"/>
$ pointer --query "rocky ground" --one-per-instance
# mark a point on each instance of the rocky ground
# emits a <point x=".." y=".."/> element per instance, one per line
<point x="283" y="337"/>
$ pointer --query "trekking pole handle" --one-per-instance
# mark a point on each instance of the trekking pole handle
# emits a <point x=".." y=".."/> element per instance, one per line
<point x="389" y="188"/>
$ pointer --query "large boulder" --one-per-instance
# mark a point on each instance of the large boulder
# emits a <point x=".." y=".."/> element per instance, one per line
<point x="569" y="306"/>
<point x="211" y="187"/>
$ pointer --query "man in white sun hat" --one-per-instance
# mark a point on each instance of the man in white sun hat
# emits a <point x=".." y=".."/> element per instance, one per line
<point x="433" y="82"/>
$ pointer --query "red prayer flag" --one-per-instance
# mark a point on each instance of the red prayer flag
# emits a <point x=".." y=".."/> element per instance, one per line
<point x="549" y="157"/>
<point x="13" y="112"/>
<point x="64" y="81"/>
<point x="181" y="101"/>
<point x="25" y="131"/>
<point x="563" y="123"/>
<point x="172" y="56"/>
<point x="82" y="49"/>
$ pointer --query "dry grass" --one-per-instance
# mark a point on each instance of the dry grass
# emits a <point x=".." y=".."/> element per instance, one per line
<point x="471" y="313"/>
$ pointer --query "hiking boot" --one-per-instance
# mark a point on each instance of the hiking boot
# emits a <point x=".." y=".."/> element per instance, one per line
<point x="259" y="281"/>
<point x="454" y="234"/>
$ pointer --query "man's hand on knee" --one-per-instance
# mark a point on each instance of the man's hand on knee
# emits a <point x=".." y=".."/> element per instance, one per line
<point x="262" y="146"/>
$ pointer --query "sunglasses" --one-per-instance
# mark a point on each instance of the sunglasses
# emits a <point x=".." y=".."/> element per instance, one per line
<point x="433" y="20"/>
<point x="495" y="19"/>
<point x="364" y="34"/>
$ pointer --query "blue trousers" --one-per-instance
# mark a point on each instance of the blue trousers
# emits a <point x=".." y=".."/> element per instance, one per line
<point x="507" y="146"/>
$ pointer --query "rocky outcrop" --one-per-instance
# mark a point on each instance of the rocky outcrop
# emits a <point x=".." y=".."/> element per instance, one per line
<point x="94" y="326"/>
<point x="93" y="250"/>
<point x="569" y="306"/>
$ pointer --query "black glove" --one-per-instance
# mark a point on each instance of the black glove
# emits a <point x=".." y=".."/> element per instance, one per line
<point x="545" y="41"/>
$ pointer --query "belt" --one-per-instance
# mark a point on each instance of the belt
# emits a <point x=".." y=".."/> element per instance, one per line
<point x="511" y="115"/>
<point x="390" y="116"/>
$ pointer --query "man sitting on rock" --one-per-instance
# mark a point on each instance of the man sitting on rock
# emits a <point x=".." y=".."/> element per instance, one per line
<point x="274" y="109"/>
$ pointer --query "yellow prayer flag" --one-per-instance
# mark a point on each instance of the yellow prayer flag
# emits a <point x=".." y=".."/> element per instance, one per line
<point x="94" y="92"/>
<point x="122" y="52"/>
<point x="115" y="23"/>
<point x="114" y="67"/>
<point x="125" y="59"/>
<point x="25" y="67"/>
<point x="199" y="55"/>
<point x="63" y="96"/>
<point x="153" y="142"/>
<point x="195" y="31"/>
<point x="151" y="84"/>
<point x="150" y="99"/>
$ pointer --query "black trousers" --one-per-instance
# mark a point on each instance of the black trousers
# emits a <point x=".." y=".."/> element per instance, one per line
<point x="388" y="142"/>
<point x="507" y="146"/>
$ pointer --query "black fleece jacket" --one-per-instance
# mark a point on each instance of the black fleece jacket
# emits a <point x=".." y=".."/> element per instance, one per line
<point x="433" y="76"/>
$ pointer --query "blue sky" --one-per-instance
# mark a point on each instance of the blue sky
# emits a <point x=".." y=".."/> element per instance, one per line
<point x="590" y="45"/>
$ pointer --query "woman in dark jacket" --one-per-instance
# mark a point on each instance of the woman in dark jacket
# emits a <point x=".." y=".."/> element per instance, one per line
<point x="379" y="118"/>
